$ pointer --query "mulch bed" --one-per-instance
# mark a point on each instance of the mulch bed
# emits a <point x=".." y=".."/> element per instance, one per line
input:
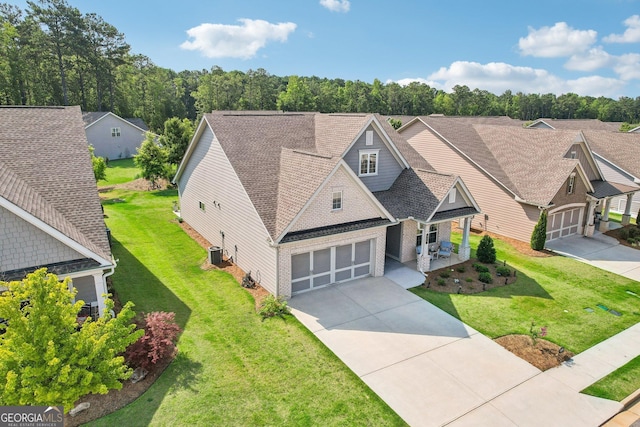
<point x="616" y="235"/>
<point x="543" y="355"/>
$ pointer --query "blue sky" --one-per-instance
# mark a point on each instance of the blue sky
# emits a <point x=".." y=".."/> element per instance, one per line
<point x="590" y="47"/>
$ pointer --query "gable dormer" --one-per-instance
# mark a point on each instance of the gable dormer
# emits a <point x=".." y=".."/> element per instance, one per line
<point x="374" y="158"/>
<point x="582" y="153"/>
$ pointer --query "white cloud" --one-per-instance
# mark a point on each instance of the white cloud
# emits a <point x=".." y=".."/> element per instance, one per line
<point x="407" y="81"/>
<point x="557" y="41"/>
<point x="497" y="77"/>
<point x="595" y="86"/>
<point x="236" y="41"/>
<point x="588" y="61"/>
<point x="336" y="5"/>
<point x="631" y="34"/>
<point x="628" y="66"/>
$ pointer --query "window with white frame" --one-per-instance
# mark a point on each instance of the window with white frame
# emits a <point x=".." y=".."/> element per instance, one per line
<point x="115" y="132"/>
<point x="573" y="154"/>
<point x="201" y="205"/>
<point x="336" y="203"/>
<point x="432" y="234"/>
<point x="368" y="162"/>
<point x="571" y="183"/>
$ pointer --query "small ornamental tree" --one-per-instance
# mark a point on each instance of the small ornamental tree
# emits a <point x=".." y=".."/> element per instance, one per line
<point x="46" y="359"/>
<point x="539" y="234"/>
<point x="99" y="165"/>
<point x="158" y="342"/>
<point x="151" y="159"/>
<point x="486" y="252"/>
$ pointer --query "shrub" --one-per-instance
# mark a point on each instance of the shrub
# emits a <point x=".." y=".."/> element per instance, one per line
<point x="503" y="271"/>
<point x="631" y="240"/>
<point x="539" y="234"/>
<point x="445" y="275"/>
<point x="486" y="252"/>
<point x="481" y="268"/>
<point x="441" y="281"/>
<point x="485" y="277"/>
<point x="461" y="269"/>
<point x="624" y="233"/>
<point x="272" y="306"/>
<point x="159" y="339"/>
<point x="633" y="232"/>
<point x="638" y="219"/>
<point x="468" y="280"/>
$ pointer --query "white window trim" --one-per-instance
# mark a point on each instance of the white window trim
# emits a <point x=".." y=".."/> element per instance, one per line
<point x="368" y="137"/>
<point x="452" y="195"/>
<point x="115" y="132"/>
<point x="572" y="183"/>
<point x="202" y="206"/>
<point x="333" y="198"/>
<point x="368" y="154"/>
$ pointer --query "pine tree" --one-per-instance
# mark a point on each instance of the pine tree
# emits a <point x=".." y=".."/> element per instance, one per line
<point x="539" y="234"/>
<point x="486" y="252"/>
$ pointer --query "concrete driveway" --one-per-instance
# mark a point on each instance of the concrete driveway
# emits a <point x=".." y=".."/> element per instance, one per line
<point x="431" y="368"/>
<point x="600" y="251"/>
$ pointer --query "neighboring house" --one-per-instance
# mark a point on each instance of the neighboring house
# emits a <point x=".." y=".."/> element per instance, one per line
<point x="50" y="212"/>
<point x="575" y="124"/>
<point x="112" y="136"/>
<point x="303" y="200"/>
<point x="514" y="173"/>
<point x="618" y="155"/>
<point x="615" y="152"/>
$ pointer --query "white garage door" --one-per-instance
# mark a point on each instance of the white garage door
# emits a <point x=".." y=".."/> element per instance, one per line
<point x="310" y="270"/>
<point x="562" y="224"/>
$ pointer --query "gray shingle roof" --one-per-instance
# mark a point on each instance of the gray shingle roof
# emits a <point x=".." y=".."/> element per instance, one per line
<point x="528" y="162"/>
<point x="283" y="148"/>
<point x="617" y="147"/>
<point x="45" y="169"/>
<point x="92" y="116"/>
<point x="607" y="189"/>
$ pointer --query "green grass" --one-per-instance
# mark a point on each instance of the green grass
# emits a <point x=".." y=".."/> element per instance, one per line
<point x="551" y="291"/>
<point x="119" y="172"/>
<point x="616" y="217"/>
<point x="619" y="384"/>
<point x="232" y="368"/>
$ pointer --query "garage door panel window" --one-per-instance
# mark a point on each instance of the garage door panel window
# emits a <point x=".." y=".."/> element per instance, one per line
<point x="563" y="224"/>
<point x="314" y="269"/>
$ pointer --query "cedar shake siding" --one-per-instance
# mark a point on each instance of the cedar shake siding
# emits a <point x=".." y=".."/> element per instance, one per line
<point x="209" y="179"/>
<point x="503" y="214"/>
<point x="23" y="245"/>
<point x="388" y="166"/>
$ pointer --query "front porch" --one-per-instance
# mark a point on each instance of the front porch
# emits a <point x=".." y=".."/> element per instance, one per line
<point x="407" y="275"/>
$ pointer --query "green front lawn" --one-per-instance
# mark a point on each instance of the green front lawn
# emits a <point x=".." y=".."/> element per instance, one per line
<point x="551" y="291"/>
<point x="119" y="172"/>
<point x="232" y="368"/>
<point x="619" y="384"/>
<point x="616" y="217"/>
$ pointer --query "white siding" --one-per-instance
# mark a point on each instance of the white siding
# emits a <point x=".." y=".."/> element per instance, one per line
<point x="124" y="146"/>
<point x="505" y="215"/>
<point x="208" y="177"/>
<point x="22" y="245"/>
<point x="356" y="205"/>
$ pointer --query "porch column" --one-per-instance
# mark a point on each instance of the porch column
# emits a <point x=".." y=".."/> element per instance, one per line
<point x="626" y="218"/>
<point x="424" y="259"/>
<point x="464" y="252"/>
<point x="590" y="226"/>
<point x="101" y="289"/>
<point x="604" y="222"/>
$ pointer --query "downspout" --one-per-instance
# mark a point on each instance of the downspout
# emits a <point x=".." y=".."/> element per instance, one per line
<point x="107" y="274"/>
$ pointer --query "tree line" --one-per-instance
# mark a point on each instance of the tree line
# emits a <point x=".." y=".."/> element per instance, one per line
<point x="52" y="54"/>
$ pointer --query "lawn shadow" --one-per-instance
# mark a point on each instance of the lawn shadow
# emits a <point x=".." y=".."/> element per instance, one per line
<point x="169" y="192"/>
<point x="524" y="286"/>
<point x="133" y="281"/>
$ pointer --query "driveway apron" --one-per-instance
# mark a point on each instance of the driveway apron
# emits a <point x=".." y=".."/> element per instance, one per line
<point x="600" y="251"/>
<point x="431" y="368"/>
